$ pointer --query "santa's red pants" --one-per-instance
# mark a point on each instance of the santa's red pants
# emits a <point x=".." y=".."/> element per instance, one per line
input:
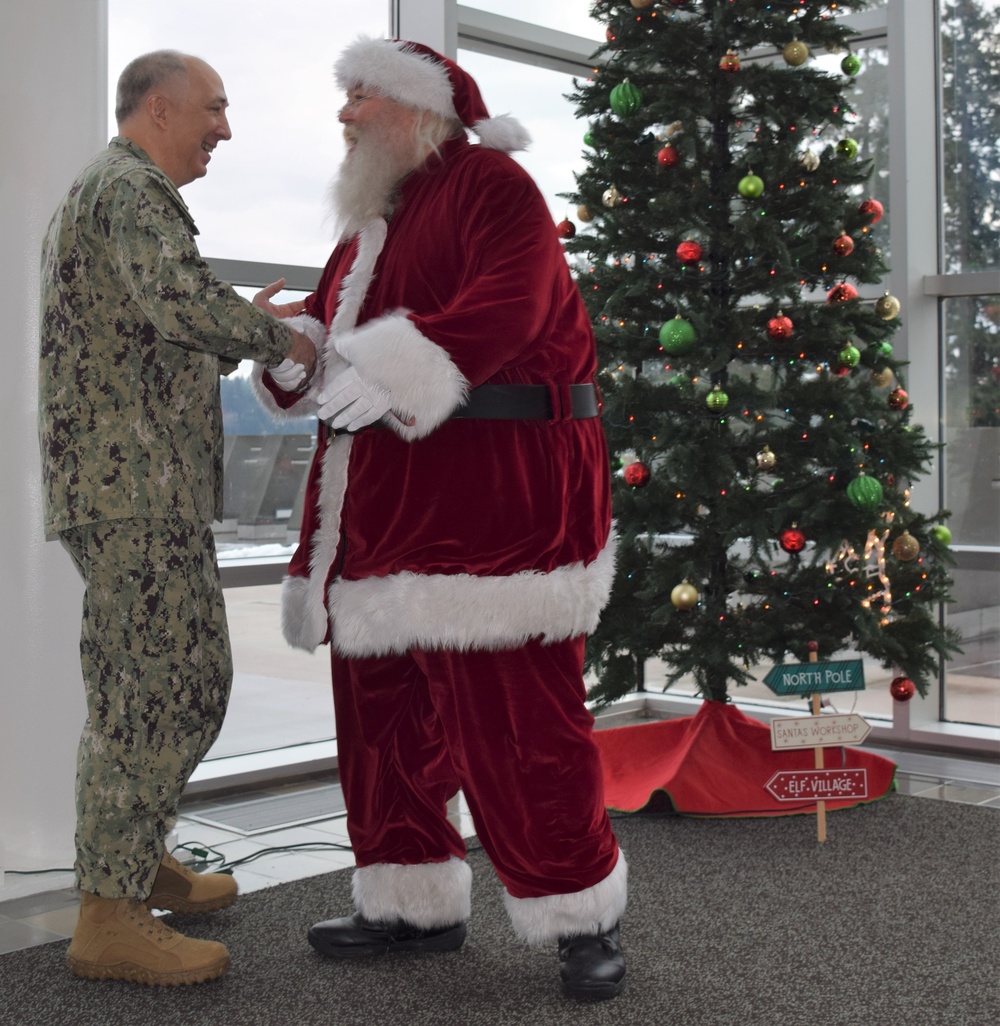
<point x="511" y="729"/>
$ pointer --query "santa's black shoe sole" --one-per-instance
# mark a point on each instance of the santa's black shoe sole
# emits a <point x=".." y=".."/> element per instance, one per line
<point x="447" y="940"/>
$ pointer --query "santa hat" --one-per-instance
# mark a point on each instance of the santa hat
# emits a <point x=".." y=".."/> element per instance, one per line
<point x="420" y="77"/>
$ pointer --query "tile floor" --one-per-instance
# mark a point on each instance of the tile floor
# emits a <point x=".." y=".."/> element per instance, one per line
<point x="235" y="832"/>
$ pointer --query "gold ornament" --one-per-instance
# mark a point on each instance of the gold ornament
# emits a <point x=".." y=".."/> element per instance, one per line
<point x="584" y="214"/>
<point x="612" y="197"/>
<point x="882" y="378"/>
<point x="796" y="53"/>
<point x="887" y="307"/>
<point x="766" y="459"/>
<point x="685" y="596"/>
<point x="906" y="548"/>
<point x="809" y="160"/>
<point x="641" y="5"/>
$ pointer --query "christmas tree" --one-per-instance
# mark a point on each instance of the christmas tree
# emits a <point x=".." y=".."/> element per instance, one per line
<point x="753" y="402"/>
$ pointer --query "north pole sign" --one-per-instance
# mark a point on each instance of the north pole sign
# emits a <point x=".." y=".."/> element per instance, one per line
<point x="818" y="785"/>
<point x="816" y="678"/>
<point x="818" y="731"/>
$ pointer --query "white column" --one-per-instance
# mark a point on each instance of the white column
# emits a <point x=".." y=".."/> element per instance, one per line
<point x="53" y="58"/>
<point x="431" y="22"/>
<point x="914" y="206"/>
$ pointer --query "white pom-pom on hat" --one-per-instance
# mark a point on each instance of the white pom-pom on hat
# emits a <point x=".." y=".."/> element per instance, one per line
<point x="420" y="77"/>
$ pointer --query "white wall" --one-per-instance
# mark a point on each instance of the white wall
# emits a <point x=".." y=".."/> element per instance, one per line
<point x="53" y="83"/>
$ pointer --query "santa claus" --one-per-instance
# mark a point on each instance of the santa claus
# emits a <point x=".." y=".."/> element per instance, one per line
<point x="456" y="543"/>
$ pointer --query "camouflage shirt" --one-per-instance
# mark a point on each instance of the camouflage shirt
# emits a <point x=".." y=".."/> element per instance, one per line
<point x="133" y="327"/>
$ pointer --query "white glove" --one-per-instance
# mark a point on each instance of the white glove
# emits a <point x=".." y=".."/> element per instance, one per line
<point x="288" y="375"/>
<point x="346" y="402"/>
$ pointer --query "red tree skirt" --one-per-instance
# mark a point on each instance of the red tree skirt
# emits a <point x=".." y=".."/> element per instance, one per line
<point x="718" y="763"/>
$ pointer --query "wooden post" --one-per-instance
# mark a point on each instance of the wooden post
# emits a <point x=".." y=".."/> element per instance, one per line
<point x="816" y="711"/>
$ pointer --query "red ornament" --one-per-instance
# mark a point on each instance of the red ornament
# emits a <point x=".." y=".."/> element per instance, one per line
<point x="689" y="252"/>
<point x="872" y="208"/>
<point x="902" y="689"/>
<point x="842" y="293"/>
<point x="636" y="475"/>
<point x="792" y="539"/>
<point x="780" y="327"/>
<point x="898" y="399"/>
<point x="843" y="245"/>
<point x="668" y="156"/>
<point x="730" y="61"/>
<point x="842" y="370"/>
<point x="566" y="229"/>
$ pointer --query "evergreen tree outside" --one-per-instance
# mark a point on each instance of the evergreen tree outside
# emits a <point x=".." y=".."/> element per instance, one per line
<point x="753" y="401"/>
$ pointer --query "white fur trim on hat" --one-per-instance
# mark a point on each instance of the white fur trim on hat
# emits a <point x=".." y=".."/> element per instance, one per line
<point x="416" y="75"/>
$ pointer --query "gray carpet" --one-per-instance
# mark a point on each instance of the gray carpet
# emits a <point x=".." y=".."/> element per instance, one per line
<point x="895" y="921"/>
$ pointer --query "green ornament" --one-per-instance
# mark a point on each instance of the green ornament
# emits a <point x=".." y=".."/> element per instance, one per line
<point x="717" y="399"/>
<point x="865" y="493"/>
<point x="750" y="186"/>
<point x="849" y="356"/>
<point x="588" y="138"/>
<point x="851" y="64"/>
<point x="941" y="534"/>
<point x="625" y="98"/>
<point x="679" y="381"/>
<point x="848" y="148"/>
<point x="882" y="349"/>
<point x="677" y="336"/>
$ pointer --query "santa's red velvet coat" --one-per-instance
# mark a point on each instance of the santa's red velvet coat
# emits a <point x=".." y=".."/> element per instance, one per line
<point x="453" y="533"/>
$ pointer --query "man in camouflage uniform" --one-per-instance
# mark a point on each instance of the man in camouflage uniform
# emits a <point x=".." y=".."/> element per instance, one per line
<point x="134" y="330"/>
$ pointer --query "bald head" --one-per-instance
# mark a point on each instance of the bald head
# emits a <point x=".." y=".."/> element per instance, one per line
<point x="141" y="76"/>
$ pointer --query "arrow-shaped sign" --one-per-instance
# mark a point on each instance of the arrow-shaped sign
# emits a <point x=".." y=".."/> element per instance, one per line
<point x="818" y="785"/>
<point x="816" y="678"/>
<point x="818" y="731"/>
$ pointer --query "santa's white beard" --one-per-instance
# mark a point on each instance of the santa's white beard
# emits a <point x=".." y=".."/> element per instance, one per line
<point x="367" y="181"/>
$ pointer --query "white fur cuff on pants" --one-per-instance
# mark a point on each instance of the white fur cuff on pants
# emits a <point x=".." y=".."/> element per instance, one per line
<point x="542" y="921"/>
<point x="427" y="896"/>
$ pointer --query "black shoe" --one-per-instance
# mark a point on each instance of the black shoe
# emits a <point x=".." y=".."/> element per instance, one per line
<point x="356" y="937"/>
<point x="593" y="968"/>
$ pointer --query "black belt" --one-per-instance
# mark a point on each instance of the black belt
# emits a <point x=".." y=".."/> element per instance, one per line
<point x="524" y="402"/>
<point x="530" y="402"/>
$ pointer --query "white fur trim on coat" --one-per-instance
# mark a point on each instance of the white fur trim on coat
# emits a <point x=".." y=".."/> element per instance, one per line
<point x="423" y="382"/>
<point x="428" y="895"/>
<point x="390" y="615"/>
<point x="303" y="609"/>
<point x="315" y="331"/>
<point x="542" y="921"/>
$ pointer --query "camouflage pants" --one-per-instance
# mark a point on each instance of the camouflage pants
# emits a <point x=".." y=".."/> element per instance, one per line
<point x="157" y="668"/>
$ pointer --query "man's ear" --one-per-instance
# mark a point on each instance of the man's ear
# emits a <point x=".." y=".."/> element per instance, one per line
<point x="157" y="107"/>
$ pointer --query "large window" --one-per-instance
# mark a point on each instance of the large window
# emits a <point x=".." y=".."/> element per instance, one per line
<point x="262" y="209"/>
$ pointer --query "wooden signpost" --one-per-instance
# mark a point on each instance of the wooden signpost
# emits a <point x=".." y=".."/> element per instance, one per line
<point x="817" y="732"/>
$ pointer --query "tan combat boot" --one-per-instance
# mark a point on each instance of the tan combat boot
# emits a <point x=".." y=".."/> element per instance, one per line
<point x="120" y="939"/>
<point x="179" y="889"/>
